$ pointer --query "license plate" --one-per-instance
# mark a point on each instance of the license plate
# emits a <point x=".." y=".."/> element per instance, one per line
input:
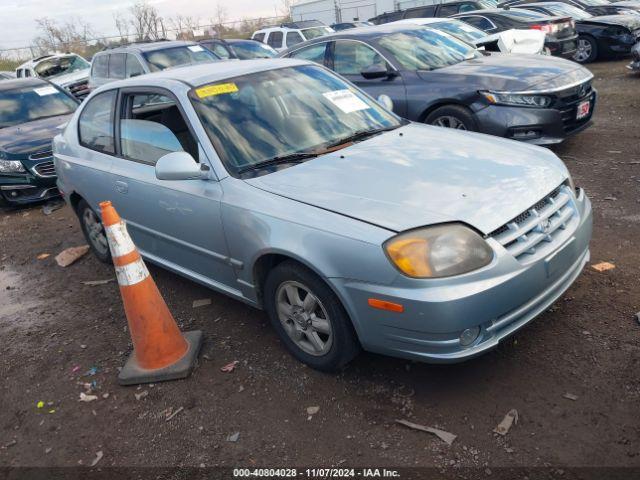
<point x="583" y="109"/>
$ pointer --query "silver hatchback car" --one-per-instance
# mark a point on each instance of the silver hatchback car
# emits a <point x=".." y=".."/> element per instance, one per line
<point x="281" y="184"/>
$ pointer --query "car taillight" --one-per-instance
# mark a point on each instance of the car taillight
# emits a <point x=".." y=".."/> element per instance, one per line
<point x="550" y="28"/>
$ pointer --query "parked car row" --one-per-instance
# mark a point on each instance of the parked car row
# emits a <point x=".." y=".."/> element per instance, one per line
<point x="281" y="184"/>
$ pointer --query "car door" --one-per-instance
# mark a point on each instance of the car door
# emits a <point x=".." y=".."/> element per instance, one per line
<point x="177" y="222"/>
<point x="350" y="58"/>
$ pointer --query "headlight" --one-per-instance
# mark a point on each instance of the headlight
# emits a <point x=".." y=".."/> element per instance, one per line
<point x="11" y="166"/>
<point x="439" y="251"/>
<point x="517" y="99"/>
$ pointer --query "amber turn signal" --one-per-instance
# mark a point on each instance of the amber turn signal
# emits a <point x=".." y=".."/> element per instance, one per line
<point x="384" y="305"/>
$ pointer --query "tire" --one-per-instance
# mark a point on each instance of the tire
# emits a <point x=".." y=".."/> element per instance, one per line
<point x="299" y="330"/>
<point x="452" y="116"/>
<point x="587" y="50"/>
<point x="91" y="232"/>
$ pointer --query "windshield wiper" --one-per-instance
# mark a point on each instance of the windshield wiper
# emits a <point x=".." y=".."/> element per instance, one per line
<point x="360" y="135"/>
<point x="281" y="159"/>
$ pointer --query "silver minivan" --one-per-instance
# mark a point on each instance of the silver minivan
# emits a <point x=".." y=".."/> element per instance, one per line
<point x="280" y="184"/>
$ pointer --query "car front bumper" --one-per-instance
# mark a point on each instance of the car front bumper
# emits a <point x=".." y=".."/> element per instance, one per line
<point x="564" y="48"/>
<point x="539" y="126"/>
<point x="37" y="184"/>
<point x="499" y="299"/>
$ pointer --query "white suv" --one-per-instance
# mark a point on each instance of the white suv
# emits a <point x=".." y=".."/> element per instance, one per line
<point x="289" y="34"/>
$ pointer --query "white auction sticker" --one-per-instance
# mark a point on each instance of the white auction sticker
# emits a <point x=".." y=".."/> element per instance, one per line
<point x="196" y="48"/>
<point x="346" y="100"/>
<point x="45" y="91"/>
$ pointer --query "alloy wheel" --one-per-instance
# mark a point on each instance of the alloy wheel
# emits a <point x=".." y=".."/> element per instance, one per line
<point x="95" y="231"/>
<point x="584" y="50"/>
<point x="304" y="318"/>
<point x="449" y="121"/>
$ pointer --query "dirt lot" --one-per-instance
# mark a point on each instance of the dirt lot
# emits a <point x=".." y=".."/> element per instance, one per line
<point x="54" y="329"/>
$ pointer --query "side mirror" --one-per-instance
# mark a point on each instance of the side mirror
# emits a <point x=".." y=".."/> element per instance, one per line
<point x="178" y="166"/>
<point x="374" y="71"/>
<point x="386" y="102"/>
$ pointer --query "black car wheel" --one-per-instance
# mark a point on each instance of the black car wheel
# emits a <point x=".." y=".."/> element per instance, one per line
<point x="309" y="317"/>
<point x="93" y="231"/>
<point x="587" y="50"/>
<point x="452" y="116"/>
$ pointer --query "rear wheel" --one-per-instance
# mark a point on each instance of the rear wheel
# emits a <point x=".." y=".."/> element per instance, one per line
<point x="309" y="317"/>
<point x="587" y="50"/>
<point x="452" y="116"/>
<point x="93" y="231"/>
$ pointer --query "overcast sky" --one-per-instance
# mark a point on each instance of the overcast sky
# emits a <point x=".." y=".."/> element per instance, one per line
<point x="18" y="26"/>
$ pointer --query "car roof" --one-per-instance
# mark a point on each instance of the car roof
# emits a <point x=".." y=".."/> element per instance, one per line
<point x="497" y="11"/>
<point x="148" y="46"/>
<point x="205" y="73"/>
<point x="423" y="20"/>
<point x="370" y="31"/>
<point x="22" y="82"/>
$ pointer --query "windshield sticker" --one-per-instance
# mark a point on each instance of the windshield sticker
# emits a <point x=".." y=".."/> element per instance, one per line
<point x="196" y="48"/>
<point x="211" y="90"/>
<point x="45" y="91"/>
<point x="346" y="100"/>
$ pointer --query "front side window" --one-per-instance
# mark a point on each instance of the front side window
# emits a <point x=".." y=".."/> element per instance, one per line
<point x="313" y="53"/>
<point x="117" y="66"/>
<point x="275" y="39"/>
<point x="446" y="10"/>
<point x="426" y="49"/>
<point x="268" y="115"/>
<point x="55" y="66"/>
<point x="133" y="66"/>
<point x="152" y="126"/>
<point x="351" y="58"/>
<point x="219" y="49"/>
<point x="95" y="125"/>
<point x="293" y="38"/>
<point x="100" y="66"/>
<point x="26" y="104"/>
<point x="259" y="37"/>
<point x="178" y="56"/>
<point x="481" y="23"/>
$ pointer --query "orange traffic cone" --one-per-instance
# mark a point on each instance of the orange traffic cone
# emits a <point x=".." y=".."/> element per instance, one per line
<point x="160" y="352"/>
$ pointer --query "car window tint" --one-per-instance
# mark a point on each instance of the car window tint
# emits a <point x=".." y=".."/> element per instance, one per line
<point x="27" y="73"/>
<point x="134" y="68"/>
<point x="259" y="37"/>
<point x="293" y="38"/>
<point x="152" y="126"/>
<point x="275" y="39"/>
<point x="479" y="22"/>
<point x="218" y="48"/>
<point x="421" y="12"/>
<point x="116" y="65"/>
<point x="467" y="7"/>
<point x="446" y="10"/>
<point x="314" y="53"/>
<point x="176" y="56"/>
<point x="100" y="66"/>
<point x="351" y="58"/>
<point x="96" y="123"/>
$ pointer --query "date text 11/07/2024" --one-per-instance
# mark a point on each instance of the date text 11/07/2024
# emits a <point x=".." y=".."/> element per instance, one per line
<point x="316" y="472"/>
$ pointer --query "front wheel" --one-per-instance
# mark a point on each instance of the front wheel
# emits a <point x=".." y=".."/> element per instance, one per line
<point x="452" y="116"/>
<point x="309" y="317"/>
<point x="587" y="50"/>
<point x="93" y="231"/>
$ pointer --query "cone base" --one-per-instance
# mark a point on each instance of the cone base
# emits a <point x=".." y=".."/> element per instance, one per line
<point x="132" y="374"/>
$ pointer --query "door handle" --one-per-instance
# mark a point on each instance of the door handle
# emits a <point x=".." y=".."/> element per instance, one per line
<point x="122" y="187"/>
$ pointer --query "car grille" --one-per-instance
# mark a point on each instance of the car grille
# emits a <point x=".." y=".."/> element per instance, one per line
<point x="46" y="168"/>
<point x="79" y="89"/>
<point x="44" y="155"/>
<point x="567" y="102"/>
<point x="538" y="227"/>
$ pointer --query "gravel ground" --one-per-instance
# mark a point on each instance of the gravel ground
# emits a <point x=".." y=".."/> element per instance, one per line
<point x="54" y="329"/>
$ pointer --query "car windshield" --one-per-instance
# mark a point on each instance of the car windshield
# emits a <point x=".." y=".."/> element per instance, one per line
<point x="459" y="30"/>
<point x="55" y="66"/>
<point x="248" y="50"/>
<point x="178" y="56"/>
<point x="520" y="15"/>
<point x="488" y="4"/>
<point x="314" y="32"/>
<point x="425" y="49"/>
<point x="26" y="104"/>
<point x="568" y="11"/>
<point x="265" y="116"/>
<point x="594" y="3"/>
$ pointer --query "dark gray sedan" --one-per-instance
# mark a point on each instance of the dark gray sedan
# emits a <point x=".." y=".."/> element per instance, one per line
<point x="434" y="78"/>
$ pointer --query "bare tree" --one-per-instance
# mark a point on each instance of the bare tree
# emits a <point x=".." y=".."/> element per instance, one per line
<point x="72" y="35"/>
<point x="122" y="25"/>
<point x="184" y="26"/>
<point x="146" y="22"/>
<point x="220" y="17"/>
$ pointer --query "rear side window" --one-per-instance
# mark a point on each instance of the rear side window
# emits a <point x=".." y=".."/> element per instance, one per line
<point x="293" y="38"/>
<point x="133" y="66"/>
<point x="275" y="39"/>
<point x="446" y="10"/>
<point x="100" y="66"/>
<point x="421" y="12"/>
<point x="479" y="22"/>
<point x="259" y="37"/>
<point x="116" y="65"/>
<point x="314" y="53"/>
<point x="467" y="7"/>
<point x="95" y="125"/>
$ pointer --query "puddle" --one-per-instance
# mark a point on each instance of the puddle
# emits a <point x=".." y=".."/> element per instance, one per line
<point x="11" y="303"/>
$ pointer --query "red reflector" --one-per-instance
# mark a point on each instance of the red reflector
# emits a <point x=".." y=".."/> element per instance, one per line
<point x="384" y="305"/>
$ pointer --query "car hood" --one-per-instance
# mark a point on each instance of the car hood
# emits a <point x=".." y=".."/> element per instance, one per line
<point x="504" y="72"/>
<point x="426" y="175"/>
<point x="69" y="78"/>
<point x="33" y="136"/>
<point x="632" y="22"/>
